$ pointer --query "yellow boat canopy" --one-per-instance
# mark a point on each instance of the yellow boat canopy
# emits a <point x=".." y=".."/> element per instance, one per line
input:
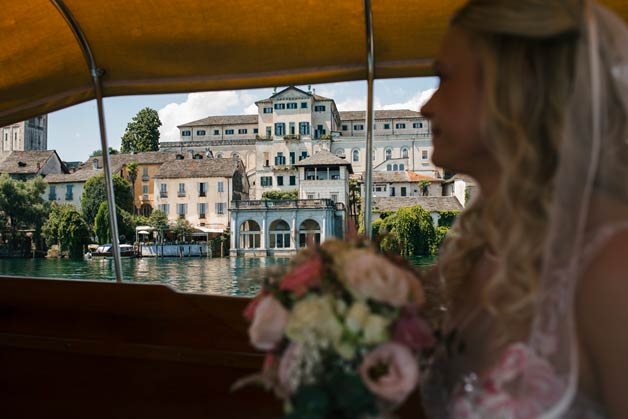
<point x="165" y="46"/>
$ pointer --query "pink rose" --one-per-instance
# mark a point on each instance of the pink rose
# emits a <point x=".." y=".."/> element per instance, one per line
<point x="249" y="311"/>
<point x="287" y="366"/>
<point x="412" y="330"/>
<point x="303" y="277"/>
<point x="268" y="323"/>
<point x="369" y="275"/>
<point x="390" y="372"/>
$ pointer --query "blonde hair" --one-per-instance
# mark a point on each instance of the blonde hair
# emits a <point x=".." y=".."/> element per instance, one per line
<point x="526" y="51"/>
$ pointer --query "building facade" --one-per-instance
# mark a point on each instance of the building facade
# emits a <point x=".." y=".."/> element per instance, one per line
<point x="29" y="135"/>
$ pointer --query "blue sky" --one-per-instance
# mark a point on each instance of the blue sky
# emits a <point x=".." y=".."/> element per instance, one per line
<point x="74" y="133"/>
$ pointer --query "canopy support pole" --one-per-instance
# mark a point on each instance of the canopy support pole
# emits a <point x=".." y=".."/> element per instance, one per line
<point x="368" y="174"/>
<point x="96" y="74"/>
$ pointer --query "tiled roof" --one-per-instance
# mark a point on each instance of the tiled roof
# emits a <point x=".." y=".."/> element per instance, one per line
<point x="324" y="158"/>
<point x="401" y="177"/>
<point x="387" y="114"/>
<point x="467" y="179"/>
<point x="26" y="162"/>
<point x="430" y="203"/>
<point x="191" y="168"/>
<point x="120" y="160"/>
<point x="222" y="120"/>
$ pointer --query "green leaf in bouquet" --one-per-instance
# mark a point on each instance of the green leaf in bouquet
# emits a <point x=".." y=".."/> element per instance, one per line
<point x="310" y="402"/>
<point x="351" y="398"/>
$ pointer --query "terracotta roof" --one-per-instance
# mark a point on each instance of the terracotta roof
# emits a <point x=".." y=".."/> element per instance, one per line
<point x="401" y="177"/>
<point x="27" y="162"/>
<point x="120" y="160"/>
<point x="387" y="114"/>
<point x="430" y="203"/>
<point x="324" y="158"/>
<point x="191" y="168"/>
<point x="222" y="120"/>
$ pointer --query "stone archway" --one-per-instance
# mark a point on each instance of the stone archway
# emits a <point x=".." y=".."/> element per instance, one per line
<point x="279" y="235"/>
<point x="250" y="235"/>
<point x="309" y="233"/>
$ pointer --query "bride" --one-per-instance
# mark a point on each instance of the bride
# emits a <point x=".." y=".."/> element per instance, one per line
<point x="532" y="103"/>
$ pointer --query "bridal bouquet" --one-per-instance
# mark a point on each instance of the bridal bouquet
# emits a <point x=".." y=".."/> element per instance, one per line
<point x="342" y="330"/>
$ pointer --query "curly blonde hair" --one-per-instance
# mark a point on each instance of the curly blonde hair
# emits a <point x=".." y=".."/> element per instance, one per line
<point x="526" y="51"/>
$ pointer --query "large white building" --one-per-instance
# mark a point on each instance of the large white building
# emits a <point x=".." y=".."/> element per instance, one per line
<point x="294" y="124"/>
<point x="29" y="135"/>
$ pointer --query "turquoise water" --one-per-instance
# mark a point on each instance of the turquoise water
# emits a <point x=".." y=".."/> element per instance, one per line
<point x="228" y="276"/>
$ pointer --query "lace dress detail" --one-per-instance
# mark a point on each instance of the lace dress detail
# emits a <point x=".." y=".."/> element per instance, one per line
<point x="451" y="387"/>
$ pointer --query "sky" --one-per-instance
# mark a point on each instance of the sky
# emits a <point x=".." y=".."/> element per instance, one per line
<point x="74" y="132"/>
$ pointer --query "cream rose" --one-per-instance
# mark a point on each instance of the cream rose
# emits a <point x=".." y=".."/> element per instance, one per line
<point x="369" y="275"/>
<point x="314" y="317"/>
<point x="390" y="372"/>
<point x="376" y="329"/>
<point x="268" y="325"/>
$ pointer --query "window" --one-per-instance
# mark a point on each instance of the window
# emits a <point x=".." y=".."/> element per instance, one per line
<point x="309" y="233"/>
<point x="334" y="197"/>
<point x="268" y="131"/>
<point x="404" y="153"/>
<point x="279" y="234"/>
<point x="303" y="105"/>
<point x="280" y="106"/>
<point x="292" y="105"/>
<point x="268" y="110"/>
<point x="164" y="207"/>
<point x="400" y="126"/>
<point x="310" y="196"/>
<point x="355" y="155"/>
<point x="144" y="189"/>
<point x="417" y="125"/>
<point x="386" y="126"/>
<point x="291" y="128"/>
<point x="292" y="157"/>
<point x="266" y="159"/>
<point x="200" y="132"/>
<point x="280" y="159"/>
<point x="68" y="192"/>
<point x="293" y="180"/>
<point x="279" y="180"/>
<point x="304" y="128"/>
<point x="202" y="210"/>
<point x="255" y="130"/>
<point x="202" y="188"/>
<point x="145" y="173"/>
<point x="319" y="108"/>
<point x="403" y="191"/>
<point x="216" y="132"/>
<point x="424" y="154"/>
<point x="395" y="167"/>
<point x="221" y="186"/>
<point x="280" y="128"/>
<point x="402" y="167"/>
<point x="303" y="155"/>
<point x="358" y="127"/>
<point x="250" y="235"/>
<point x="389" y="168"/>
<point x="345" y="127"/>
<point x="163" y="190"/>
<point x="320" y="130"/>
<point x="186" y="133"/>
<point x="52" y="195"/>
<point x="266" y="181"/>
<point x="229" y="132"/>
<point x="388" y="154"/>
<point x="220" y="207"/>
<point x="181" y="191"/>
<point x="219" y="156"/>
<point x="182" y="209"/>
<point x="242" y="131"/>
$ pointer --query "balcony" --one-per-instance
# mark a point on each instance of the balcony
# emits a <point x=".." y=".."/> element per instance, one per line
<point x="263" y="137"/>
<point x="69" y="197"/>
<point x="181" y="194"/>
<point x="145" y="178"/>
<point x="202" y="216"/>
<point x="292" y="137"/>
<point x="145" y="197"/>
<point x="284" y="203"/>
<point x="202" y="194"/>
<point x="52" y="197"/>
<point x="163" y="194"/>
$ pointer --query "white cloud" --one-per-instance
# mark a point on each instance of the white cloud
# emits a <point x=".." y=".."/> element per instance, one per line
<point x="414" y="103"/>
<point x="201" y="105"/>
<point x="357" y="104"/>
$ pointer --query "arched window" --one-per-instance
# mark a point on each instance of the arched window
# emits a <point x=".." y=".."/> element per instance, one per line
<point x="219" y="156"/>
<point x="389" y="168"/>
<point x="388" y="153"/>
<point x="279" y="234"/>
<point x="402" y="167"/>
<point x="235" y="155"/>
<point x="250" y="235"/>
<point x="309" y="233"/>
<point x="395" y="167"/>
<point x="404" y="153"/>
<point x="356" y="155"/>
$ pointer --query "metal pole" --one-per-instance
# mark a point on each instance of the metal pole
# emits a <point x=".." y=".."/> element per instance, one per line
<point x="96" y="74"/>
<point x="368" y="175"/>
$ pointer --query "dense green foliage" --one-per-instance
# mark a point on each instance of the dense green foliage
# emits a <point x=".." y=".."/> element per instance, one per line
<point x="182" y="229"/>
<point x="279" y="195"/>
<point x="142" y="133"/>
<point x="22" y="208"/>
<point x="95" y="193"/>
<point x="97" y="153"/>
<point x="66" y="227"/>
<point x="447" y="218"/>
<point x="102" y="227"/>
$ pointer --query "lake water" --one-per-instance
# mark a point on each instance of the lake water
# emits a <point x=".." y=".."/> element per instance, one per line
<point x="227" y="276"/>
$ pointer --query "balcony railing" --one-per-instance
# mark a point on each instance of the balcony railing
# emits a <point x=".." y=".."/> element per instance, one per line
<point x="52" y="197"/>
<point x="145" y="178"/>
<point x="284" y="203"/>
<point x="163" y="194"/>
<point x="181" y="194"/>
<point x="202" y="194"/>
<point x="263" y="137"/>
<point x="69" y="197"/>
<point x="292" y="137"/>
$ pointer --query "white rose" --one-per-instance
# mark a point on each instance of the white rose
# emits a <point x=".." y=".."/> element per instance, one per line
<point x="314" y="317"/>
<point x="356" y="316"/>
<point x="376" y="329"/>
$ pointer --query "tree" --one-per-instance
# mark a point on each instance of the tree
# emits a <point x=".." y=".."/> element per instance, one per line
<point x="95" y="193"/>
<point x="98" y="152"/>
<point x="102" y="227"/>
<point x="409" y="232"/>
<point x="159" y="221"/>
<point x="66" y="227"/>
<point x="424" y="185"/>
<point x="131" y="169"/>
<point x="22" y="206"/>
<point x="182" y="229"/>
<point x="142" y="133"/>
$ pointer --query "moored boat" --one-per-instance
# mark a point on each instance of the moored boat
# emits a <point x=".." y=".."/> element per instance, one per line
<point x="106" y="250"/>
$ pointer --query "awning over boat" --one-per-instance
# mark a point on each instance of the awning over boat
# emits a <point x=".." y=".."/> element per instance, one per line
<point x="162" y="46"/>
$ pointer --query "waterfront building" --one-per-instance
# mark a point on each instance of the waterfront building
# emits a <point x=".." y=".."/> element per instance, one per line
<point x="29" y="135"/>
<point x="433" y="204"/>
<point x="201" y="190"/>
<point x="67" y="188"/>
<point x="463" y="187"/>
<point x="391" y="184"/>
<point x="25" y="165"/>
